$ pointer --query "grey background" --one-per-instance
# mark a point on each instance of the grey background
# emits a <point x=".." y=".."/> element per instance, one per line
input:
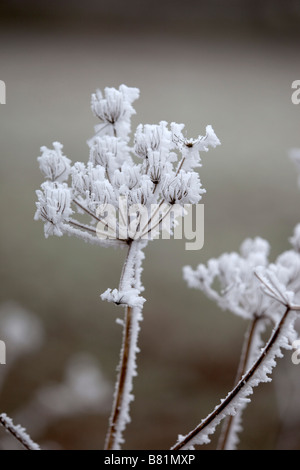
<point x="228" y="64"/>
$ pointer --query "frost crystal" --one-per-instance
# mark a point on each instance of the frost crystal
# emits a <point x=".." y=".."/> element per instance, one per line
<point x="53" y="164"/>
<point x="236" y="400"/>
<point x="18" y="432"/>
<point x="114" y="110"/>
<point x="248" y="285"/>
<point x="53" y="207"/>
<point x="119" y="185"/>
<point x="127" y="194"/>
<point x="234" y="274"/>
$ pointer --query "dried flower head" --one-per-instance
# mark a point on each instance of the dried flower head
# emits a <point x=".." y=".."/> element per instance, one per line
<point x="112" y="188"/>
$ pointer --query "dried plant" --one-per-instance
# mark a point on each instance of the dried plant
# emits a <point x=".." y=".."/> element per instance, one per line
<point x="263" y="294"/>
<point x="129" y="201"/>
<point x="130" y="192"/>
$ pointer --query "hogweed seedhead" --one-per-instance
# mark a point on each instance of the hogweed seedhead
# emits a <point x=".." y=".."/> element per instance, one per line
<point x="128" y="194"/>
<point x="229" y="280"/>
<point x="53" y="164"/>
<point x="235" y="280"/>
<point x="120" y="185"/>
<point x="53" y="207"/>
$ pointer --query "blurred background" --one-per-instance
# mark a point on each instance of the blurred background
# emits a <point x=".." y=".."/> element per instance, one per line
<point x="229" y="64"/>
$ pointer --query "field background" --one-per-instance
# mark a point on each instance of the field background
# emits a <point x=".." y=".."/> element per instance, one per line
<point x="195" y="62"/>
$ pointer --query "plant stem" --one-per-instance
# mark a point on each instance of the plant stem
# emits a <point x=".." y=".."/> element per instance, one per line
<point x="93" y="215"/>
<point x="127" y="368"/>
<point x="237" y="389"/>
<point x="18" y="432"/>
<point x="244" y="360"/>
<point x="110" y="439"/>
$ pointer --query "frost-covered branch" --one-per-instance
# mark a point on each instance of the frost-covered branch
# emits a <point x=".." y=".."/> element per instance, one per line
<point x="229" y="438"/>
<point x="130" y="283"/>
<point x="281" y="338"/>
<point x="123" y="190"/>
<point x="120" y="185"/>
<point x="18" y="432"/>
<point x="246" y="284"/>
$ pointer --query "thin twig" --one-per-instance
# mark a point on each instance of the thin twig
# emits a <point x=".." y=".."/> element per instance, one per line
<point x="18" y="432"/>
<point x="180" y="166"/>
<point x="92" y="214"/>
<point x="158" y="223"/>
<point x="110" y="440"/>
<point x="92" y="230"/>
<point x="249" y="336"/>
<point x="85" y="235"/>
<point x="161" y="202"/>
<point x="122" y="396"/>
<point x="240" y="386"/>
<point x="82" y="226"/>
<point x="85" y="209"/>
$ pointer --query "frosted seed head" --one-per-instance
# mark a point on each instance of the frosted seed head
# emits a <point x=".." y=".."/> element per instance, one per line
<point x="53" y="164"/>
<point x="111" y="173"/>
<point x="53" y="207"/>
<point x="114" y="110"/>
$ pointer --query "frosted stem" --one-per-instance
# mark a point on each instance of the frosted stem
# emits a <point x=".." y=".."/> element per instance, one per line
<point x="219" y="413"/>
<point x="127" y="368"/>
<point x="91" y="214"/>
<point x="242" y="368"/>
<point x="18" y="432"/>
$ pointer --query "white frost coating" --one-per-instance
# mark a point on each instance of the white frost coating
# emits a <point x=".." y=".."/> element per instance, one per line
<point x="88" y="237"/>
<point x="295" y="239"/>
<point x="164" y="174"/>
<point x="263" y="296"/>
<point x="124" y="416"/>
<point x="272" y="286"/>
<point x="236" y="427"/>
<point x="109" y="152"/>
<point x="53" y="164"/>
<point x="239" y="289"/>
<point x="18" y="432"/>
<point x="53" y="207"/>
<point x="131" y="276"/>
<point x="282" y="336"/>
<point x="191" y="148"/>
<point x="117" y="195"/>
<point x="130" y="298"/>
<point x="114" y="110"/>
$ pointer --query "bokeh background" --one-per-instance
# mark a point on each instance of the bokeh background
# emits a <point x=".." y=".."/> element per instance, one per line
<point x="229" y="64"/>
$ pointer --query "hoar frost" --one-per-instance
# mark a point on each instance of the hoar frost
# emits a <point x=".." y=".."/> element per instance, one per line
<point x="158" y="171"/>
<point x="129" y="193"/>
<point x="263" y="293"/>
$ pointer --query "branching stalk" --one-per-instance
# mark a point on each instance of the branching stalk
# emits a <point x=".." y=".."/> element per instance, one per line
<point x="18" y="433"/>
<point x="93" y="215"/>
<point x="242" y="368"/>
<point x="127" y="369"/>
<point x="186" y="441"/>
